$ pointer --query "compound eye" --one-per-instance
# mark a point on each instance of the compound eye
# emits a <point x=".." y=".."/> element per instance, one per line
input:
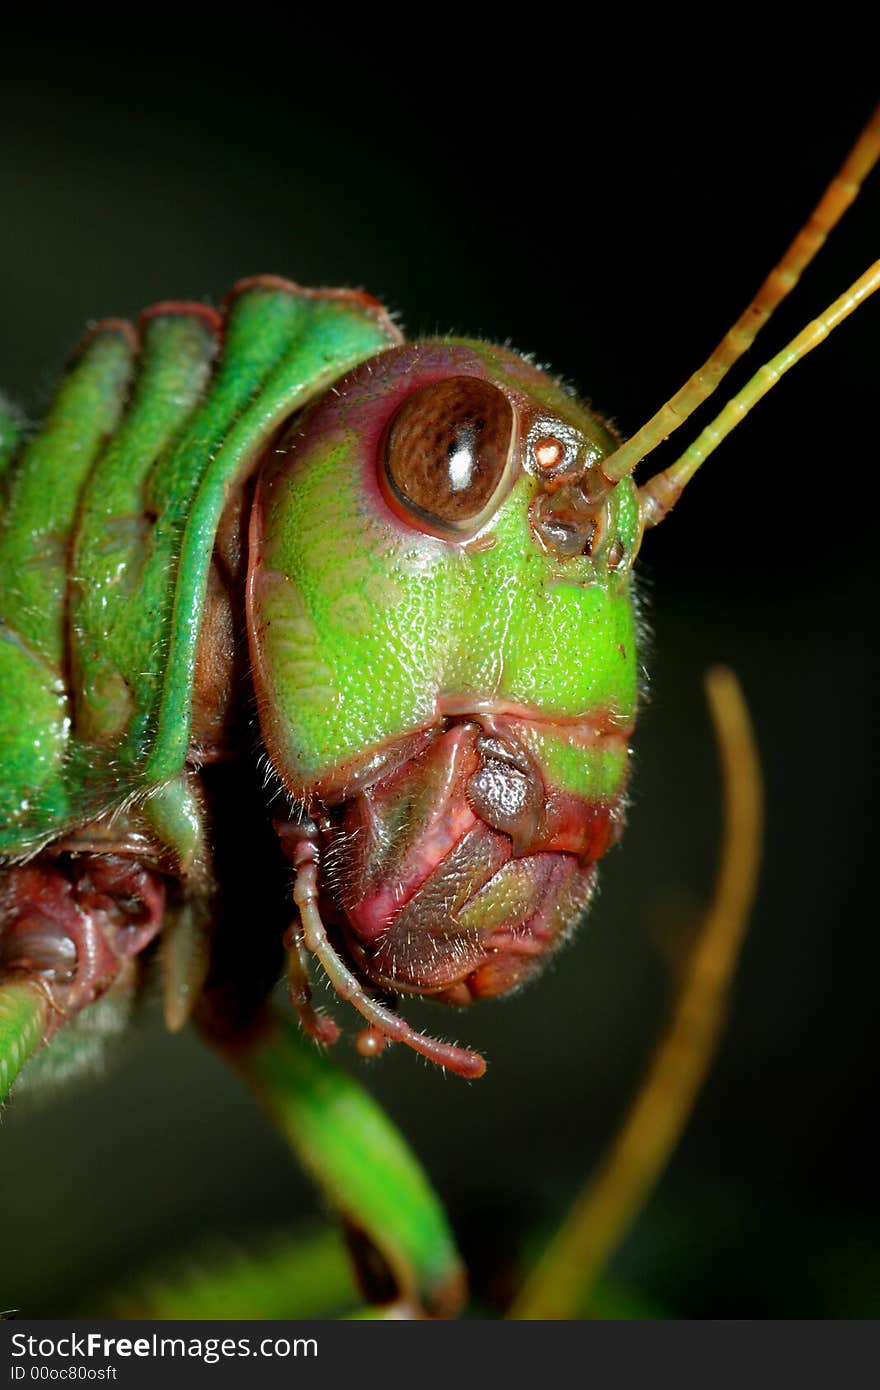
<point x="446" y="453"/>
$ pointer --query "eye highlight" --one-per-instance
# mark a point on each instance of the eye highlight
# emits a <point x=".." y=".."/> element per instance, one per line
<point x="446" y="453"/>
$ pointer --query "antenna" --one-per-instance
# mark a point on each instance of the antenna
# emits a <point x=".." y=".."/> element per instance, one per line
<point x="661" y="492"/>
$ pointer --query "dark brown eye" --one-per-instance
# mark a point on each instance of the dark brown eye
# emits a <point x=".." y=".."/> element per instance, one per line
<point x="447" y="450"/>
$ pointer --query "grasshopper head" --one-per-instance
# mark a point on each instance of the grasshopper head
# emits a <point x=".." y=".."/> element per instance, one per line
<point x="443" y="641"/>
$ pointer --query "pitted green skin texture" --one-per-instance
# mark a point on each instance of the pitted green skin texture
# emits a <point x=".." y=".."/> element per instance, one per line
<point x="364" y="626"/>
<point x="107" y="530"/>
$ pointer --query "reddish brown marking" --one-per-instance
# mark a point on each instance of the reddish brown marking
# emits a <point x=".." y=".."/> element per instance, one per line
<point x="355" y="297"/>
<point x="576" y="825"/>
<point x="110" y="325"/>
<point x="184" y="308"/>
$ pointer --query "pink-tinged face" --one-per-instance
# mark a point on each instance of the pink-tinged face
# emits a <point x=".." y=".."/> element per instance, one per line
<point x="461" y="871"/>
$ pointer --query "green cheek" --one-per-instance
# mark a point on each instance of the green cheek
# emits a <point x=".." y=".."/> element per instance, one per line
<point x="365" y="626"/>
<point x="556" y="637"/>
<point x="350" y="614"/>
<point x="596" y="772"/>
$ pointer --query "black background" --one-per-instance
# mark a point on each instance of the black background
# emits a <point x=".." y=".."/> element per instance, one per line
<point x="610" y="205"/>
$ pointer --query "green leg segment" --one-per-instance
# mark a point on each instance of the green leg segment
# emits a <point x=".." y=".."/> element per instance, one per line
<point x="23" y="1016"/>
<point x="399" y="1232"/>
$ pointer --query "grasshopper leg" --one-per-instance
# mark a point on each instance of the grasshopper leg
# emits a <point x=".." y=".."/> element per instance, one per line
<point x="319" y="1026"/>
<point x="395" y="1228"/>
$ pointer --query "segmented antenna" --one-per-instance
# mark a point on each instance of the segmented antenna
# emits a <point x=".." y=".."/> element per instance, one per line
<point x="660" y="493"/>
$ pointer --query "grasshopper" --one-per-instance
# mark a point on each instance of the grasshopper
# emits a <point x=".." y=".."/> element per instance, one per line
<point x="397" y="578"/>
